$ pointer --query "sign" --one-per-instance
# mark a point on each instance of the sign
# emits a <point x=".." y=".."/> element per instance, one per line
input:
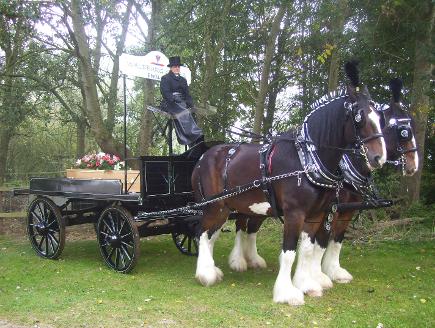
<point x="151" y="66"/>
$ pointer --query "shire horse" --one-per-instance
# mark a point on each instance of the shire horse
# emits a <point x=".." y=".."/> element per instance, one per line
<point x="397" y="128"/>
<point x="347" y="118"/>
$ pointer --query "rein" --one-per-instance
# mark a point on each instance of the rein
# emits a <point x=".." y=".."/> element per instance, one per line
<point x="249" y="134"/>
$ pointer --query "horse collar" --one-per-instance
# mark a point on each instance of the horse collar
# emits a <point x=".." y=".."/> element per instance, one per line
<point x="308" y="156"/>
<point x="362" y="184"/>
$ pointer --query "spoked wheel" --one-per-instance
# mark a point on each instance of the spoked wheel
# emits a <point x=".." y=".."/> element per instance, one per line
<point x="118" y="239"/>
<point x="45" y="228"/>
<point x="185" y="240"/>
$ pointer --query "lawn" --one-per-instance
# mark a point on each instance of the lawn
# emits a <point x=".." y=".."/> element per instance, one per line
<point x="393" y="285"/>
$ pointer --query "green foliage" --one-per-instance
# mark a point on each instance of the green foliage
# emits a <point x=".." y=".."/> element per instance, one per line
<point x="381" y="34"/>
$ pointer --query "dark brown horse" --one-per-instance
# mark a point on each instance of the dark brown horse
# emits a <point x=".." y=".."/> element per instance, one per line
<point x="344" y="119"/>
<point x="401" y="149"/>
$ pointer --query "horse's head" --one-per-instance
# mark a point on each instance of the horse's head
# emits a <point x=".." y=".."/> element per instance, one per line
<point x="363" y="128"/>
<point x="397" y="128"/>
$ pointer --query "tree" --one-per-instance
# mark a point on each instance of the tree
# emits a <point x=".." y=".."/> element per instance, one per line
<point x="16" y="28"/>
<point x="89" y="77"/>
<point x="420" y="104"/>
<point x="153" y="25"/>
<point x="269" y="51"/>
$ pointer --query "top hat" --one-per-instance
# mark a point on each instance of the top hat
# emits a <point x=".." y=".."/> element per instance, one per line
<point x="174" y="61"/>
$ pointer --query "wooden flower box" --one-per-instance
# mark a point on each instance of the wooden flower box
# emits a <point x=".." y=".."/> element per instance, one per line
<point x="107" y="175"/>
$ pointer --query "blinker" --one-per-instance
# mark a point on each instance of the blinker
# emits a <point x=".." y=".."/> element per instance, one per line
<point x="404" y="132"/>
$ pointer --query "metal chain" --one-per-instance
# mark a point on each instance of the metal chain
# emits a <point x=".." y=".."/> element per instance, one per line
<point x="234" y="192"/>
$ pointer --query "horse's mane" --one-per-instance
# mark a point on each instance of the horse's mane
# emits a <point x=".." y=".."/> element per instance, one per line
<point x="328" y="112"/>
<point x="326" y="99"/>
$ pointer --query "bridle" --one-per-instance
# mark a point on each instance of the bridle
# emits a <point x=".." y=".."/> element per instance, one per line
<point x="403" y="131"/>
<point x="352" y="109"/>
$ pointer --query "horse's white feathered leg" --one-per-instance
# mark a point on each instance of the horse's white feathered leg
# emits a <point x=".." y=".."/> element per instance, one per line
<point x="284" y="291"/>
<point x="331" y="264"/>
<point x="254" y="260"/>
<point x="206" y="271"/>
<point x="213" y="239"/>
<point x="316" y="268"/>
<point x="237" y="259"/>
<point x="303" y="277"/>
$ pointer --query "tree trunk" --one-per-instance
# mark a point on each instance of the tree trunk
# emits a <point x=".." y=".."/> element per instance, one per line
<point x="145" y="133"/>
<point x="420" y="100"/>
<point x="278" y="78"/>
<point x="337" y="28"/>
<point x="5" y="138"/>
<point x="146" y="118"/>
<point x="212" y="53"/>
<point x="113" y="89"/>
<point x="81" y="137"/>
<point x="102" y="136"/>
<point x="270" y="47"/>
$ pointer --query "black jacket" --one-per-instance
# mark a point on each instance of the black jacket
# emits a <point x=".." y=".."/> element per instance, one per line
<point x="171" y="83"/>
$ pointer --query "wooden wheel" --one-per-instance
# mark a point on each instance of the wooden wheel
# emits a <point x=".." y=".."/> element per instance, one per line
<point x="45" y="228"/>
<point x="186" y="241"/>
<point x="118" y="239"/>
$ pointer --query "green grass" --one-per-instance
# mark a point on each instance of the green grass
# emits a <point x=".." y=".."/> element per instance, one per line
<point x="393" y="285"/>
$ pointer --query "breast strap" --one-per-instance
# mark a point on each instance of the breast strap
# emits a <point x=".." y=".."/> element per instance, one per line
<point x="363" y="184"/>
<point x="308" y="156"/>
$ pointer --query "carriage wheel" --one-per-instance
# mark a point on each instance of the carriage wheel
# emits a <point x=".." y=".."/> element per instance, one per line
<point x="185" y="241"/>
<point x="118" y="239"/>
<point x="45" y="228"/>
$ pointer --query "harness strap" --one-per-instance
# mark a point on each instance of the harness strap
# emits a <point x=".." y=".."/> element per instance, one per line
<point x="230" y="154"/>
<point x="372" y="137"/>
<point x="266" y="153"/>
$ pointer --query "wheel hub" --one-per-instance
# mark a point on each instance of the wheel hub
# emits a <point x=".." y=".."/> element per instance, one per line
<point x="41" y="228"/>
<point x="115" y="241"/>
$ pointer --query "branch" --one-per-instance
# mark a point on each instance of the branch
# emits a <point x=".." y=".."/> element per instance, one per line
<point x="52" y="90"/>
<point x="141" y="13"/>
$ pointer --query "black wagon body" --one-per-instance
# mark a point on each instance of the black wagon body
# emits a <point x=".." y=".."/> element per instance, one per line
<point x="120" y="217"/>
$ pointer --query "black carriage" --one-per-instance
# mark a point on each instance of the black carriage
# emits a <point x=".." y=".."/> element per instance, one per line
<point x="120" y="216"/>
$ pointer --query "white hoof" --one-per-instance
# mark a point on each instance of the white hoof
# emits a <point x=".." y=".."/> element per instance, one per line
<point x="342" y="276"/>
<point x="238" y="263"/>
<point x="308" y="286"/>
<point x="208" y="276"/>
<point x="219" y="274"/>
<point x="289" y="295"/>
<point x="257" y="263"/>
<point x="323" y="280"/>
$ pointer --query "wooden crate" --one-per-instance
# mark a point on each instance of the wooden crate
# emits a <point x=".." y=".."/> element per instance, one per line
<point x="107" y="175"/>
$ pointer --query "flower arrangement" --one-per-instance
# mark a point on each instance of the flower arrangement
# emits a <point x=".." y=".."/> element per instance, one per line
<point x="100" y="161"/>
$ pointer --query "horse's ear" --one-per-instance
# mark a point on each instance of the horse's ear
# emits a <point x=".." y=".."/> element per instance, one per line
<point x="396" y="86"/>
<point x="351" y="69"/>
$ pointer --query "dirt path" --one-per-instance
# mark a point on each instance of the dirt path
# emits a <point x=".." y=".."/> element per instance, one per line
<point x="7" y="324"/>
